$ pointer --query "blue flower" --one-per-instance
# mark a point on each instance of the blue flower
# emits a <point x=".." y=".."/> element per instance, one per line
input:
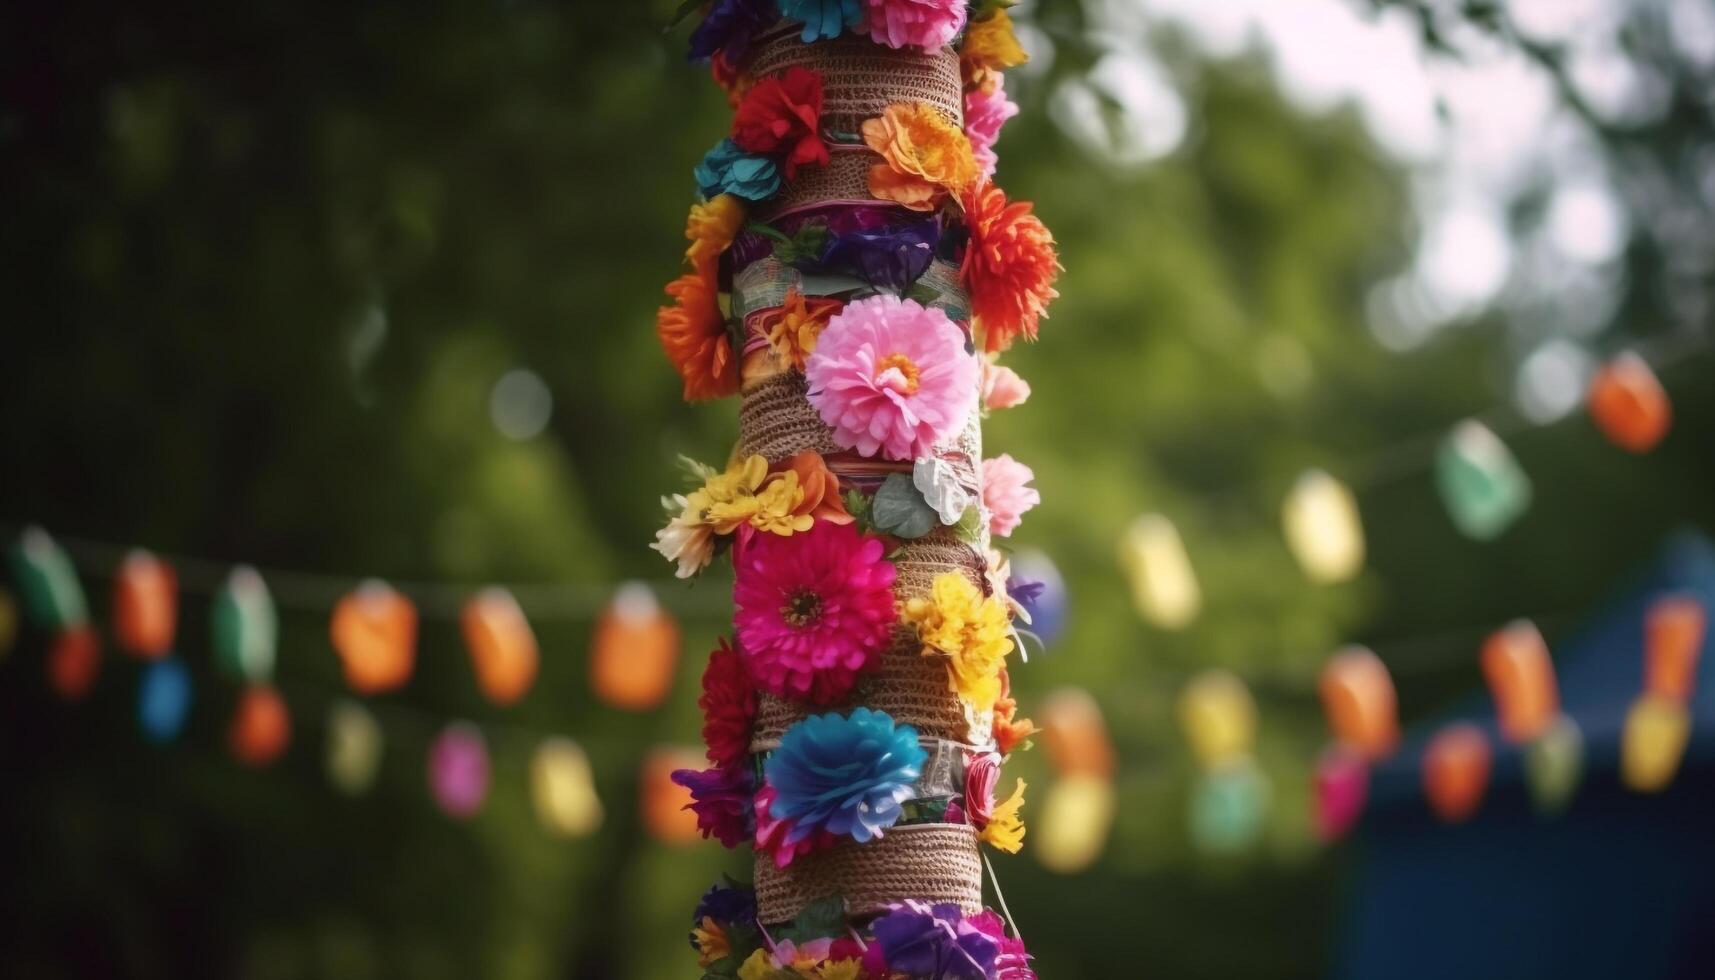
<point x="925" y="940"/>
<point x="843" y="774"/>
<point x="729" y="27"/>
<point x="823" y="18"/>
<point x="726" y="169"/>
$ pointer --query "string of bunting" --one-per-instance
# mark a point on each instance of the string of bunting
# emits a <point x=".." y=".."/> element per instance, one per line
<point x="634" y="652"/>
<point x="1485" y="491"/>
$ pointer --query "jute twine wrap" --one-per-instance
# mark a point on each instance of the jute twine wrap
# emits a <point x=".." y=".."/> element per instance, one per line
<point x="860" y="78"/>
<point x="775" y="420"/>
<point x="932" y="862"/>
<point x="845" y="179"/>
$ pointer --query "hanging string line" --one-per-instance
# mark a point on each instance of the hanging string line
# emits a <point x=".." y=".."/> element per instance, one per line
<point x="319" y="592"/>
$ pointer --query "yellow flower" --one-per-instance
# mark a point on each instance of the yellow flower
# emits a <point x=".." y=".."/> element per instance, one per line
<point x="1005" y="830"/>
<point x="760" y="966"/>
<point x="729" y="499"/>
<point x="776" y="505"/>
<point x="957" y="621"/>
<point x="839" y="970"/>
<point x="926" y="155"/>
<point x="711" y="940"/>
<point x="711" y="227"/>
<point x="990" y="46"/>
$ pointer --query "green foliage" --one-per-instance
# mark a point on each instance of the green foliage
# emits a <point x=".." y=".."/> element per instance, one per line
<point x="262" y="269"/>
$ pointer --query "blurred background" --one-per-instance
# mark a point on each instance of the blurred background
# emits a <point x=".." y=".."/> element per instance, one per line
<point x="369" y="291"/>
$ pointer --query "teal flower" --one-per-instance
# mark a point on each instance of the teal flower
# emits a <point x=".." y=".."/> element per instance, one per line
<point x="846" y="775"/>
<point x="726" y="169"/>
<point x="823" y="18"/>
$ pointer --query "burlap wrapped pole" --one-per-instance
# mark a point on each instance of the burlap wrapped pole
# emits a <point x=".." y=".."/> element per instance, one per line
<point x="933" y="862"/>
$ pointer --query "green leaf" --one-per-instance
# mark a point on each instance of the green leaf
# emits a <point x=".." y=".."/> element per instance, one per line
<point x="857" y="505"/>
<point x="970" y="528"/>
<point x="804" y="246"/>
<point x="824" y="918"/>
<point x="900" y="510"/>
<point x="683" y="11"/>
<point x="924" y="293"/>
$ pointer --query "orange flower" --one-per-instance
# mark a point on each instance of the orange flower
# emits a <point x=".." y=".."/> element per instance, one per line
<point x="990" y="46"/>
<point x="792" y="327"/>
<point x="711" y="226"/>
<point x="694" y="335"/>
<point x="821" y="487"/>
<point x="926" y="155"/>
<point x="1010" y="731"/>
<point x="1009" y="266"/>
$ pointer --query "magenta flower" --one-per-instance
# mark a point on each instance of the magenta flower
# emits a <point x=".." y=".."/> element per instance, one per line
<point x="986" y="110"/>
<point x="981" y="775"/>
<point x="1007" y="493"/>
<point x="772" y="834"/>
<point x="814" y="609"/>
<point x="926" y="24"/>
<point x="891" y="376"/>
<point x="1011" y="961"/>
<point x="721" y="799"/>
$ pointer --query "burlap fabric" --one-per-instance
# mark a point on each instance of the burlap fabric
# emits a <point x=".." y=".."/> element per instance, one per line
<point x="860" y="78"/>
<point x="932" y="862"/>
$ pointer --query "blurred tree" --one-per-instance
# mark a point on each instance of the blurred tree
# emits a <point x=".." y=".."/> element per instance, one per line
<point x="263" y="268"/>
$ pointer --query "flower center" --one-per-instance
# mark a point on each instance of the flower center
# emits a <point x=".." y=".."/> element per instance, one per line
<point x="802" y="608"/>
<point x="898" y="372"/>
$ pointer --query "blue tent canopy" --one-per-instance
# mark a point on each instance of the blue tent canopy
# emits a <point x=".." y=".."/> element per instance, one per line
<point x="1621" y="885"/>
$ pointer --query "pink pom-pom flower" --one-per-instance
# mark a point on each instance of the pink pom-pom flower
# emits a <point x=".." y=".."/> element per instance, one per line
<point x="926" y="24"/>
<point x="814" y="610"/>
<point x="891" y="376"/>
<point x="1007" y="493"/>
<point x="986" y="111"/>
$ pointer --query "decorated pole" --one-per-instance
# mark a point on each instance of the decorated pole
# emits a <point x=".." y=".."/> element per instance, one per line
<point x="853" y="276"/>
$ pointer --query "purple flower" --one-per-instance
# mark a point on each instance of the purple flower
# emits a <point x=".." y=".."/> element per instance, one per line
<point x="886" y="256"/>
<point x="931" y="941"/>
<point x="726" y="901"/>
<point x="720" y="798"/>
<point x="729" y="27"/>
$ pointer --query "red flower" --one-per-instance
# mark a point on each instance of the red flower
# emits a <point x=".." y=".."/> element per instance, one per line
<point x="729" y="706"/>
<point x="782" y="115"/>
<point x="1009" y="266"/>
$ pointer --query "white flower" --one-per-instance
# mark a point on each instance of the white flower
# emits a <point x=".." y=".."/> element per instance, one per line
<point x="686" y="539"/>
<point x="940" y="488"/>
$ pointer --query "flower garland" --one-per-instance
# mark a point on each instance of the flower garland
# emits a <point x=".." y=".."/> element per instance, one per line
<point x="882" y="306"/>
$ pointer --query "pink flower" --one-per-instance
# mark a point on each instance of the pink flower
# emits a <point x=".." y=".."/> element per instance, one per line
<point x="891" y="376"/>
<point x="927" y="24"/>
<point x="986" y="110"/>
<point x="814" y="609"/>
<point x="771" y="834"/>
<point x="1002" y="387"/>
<point x="981" y="775"/>
<point x="1006" y="493"/>
<point x="1011" y="961"/>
